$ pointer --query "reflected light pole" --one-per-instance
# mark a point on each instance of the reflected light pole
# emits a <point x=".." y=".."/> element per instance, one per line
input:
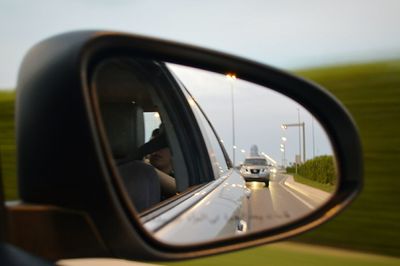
<point x="231" y="77"/>
<point x="313" y="137"/>
<point x="283" y="150"/>
<point x="283" y="154"/>
<point x="302" y="125"/>
<point x="298" y="122"/>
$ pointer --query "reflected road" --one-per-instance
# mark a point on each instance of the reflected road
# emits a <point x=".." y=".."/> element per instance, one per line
<point x="276" y="204"/>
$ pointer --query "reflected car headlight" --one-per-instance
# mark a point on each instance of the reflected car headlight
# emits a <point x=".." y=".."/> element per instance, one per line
<point x="244" y="170"/>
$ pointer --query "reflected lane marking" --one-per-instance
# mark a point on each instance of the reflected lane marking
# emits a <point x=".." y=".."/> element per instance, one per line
<point x="296" y="196"/>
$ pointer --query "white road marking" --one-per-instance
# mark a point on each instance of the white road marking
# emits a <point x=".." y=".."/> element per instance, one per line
<point x="294" y="195"/>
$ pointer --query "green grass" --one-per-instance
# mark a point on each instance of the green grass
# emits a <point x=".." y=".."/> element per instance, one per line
<point x="7" y="144"/>
<point x="285" y="254"/>
<point x="371" y="92"/>
<point x="325" y="187"/>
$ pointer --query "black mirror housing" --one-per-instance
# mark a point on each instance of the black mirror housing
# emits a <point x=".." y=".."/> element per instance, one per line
<point x="63" y="160"/>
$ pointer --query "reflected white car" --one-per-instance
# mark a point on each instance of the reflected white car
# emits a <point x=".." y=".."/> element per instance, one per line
<point x="256" y="169"/>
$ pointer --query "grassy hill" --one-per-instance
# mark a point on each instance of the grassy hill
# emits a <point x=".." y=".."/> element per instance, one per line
<point x="7" y="143"/>
<point x="371" y="92"/>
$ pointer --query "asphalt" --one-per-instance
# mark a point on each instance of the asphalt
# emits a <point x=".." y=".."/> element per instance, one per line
<point x="314" y="195"/>
<point x="282" y="202"/>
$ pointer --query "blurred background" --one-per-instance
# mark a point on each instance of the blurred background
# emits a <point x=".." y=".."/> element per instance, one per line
<point x="352" y="48"/>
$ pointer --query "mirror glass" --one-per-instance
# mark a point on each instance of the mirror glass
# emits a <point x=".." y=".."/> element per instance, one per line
<point x="271" y="162"/>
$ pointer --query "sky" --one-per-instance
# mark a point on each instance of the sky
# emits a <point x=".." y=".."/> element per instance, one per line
<point x="287" y="34"/>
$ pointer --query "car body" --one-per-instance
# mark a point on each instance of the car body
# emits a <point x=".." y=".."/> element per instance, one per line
<point x="256" y="169"/>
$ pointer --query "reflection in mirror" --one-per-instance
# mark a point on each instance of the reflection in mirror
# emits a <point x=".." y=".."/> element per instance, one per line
<point x="283" y="162"/>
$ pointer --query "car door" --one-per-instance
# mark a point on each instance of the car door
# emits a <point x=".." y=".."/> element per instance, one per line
<point x="216" y="209"/>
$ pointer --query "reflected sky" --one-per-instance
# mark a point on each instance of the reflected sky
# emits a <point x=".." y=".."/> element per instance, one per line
<point x="259" y="114"/>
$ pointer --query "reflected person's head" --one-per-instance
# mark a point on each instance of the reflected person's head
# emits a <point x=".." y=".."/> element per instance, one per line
<point x="161" y="158"/>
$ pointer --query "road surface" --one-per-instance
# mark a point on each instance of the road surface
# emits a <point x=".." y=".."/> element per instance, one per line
<point x="277" y="204"/>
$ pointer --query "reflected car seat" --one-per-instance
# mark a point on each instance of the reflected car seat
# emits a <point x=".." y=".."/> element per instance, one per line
<point x="124" y="125"/>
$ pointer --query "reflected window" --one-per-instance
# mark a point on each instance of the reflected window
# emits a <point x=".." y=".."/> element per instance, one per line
<point x="215" y="151"/>
<point x="140" y="134"/>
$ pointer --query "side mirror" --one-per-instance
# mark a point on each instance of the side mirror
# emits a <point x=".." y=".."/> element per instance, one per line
<point x="97" y="111"/>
